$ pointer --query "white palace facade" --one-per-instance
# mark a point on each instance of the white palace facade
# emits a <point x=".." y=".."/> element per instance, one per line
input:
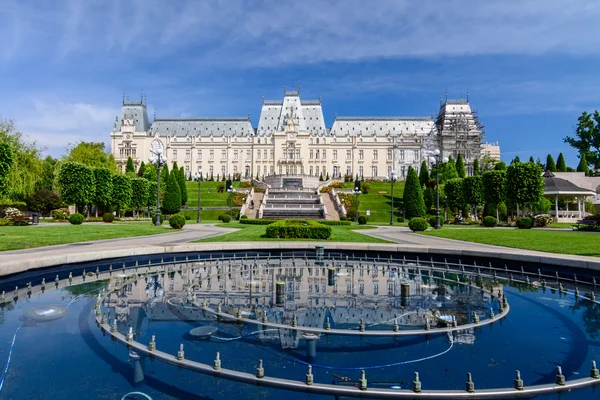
<point x="291" y="138"/>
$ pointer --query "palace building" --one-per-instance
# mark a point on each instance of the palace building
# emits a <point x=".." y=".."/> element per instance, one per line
<point x="291" y="138"/>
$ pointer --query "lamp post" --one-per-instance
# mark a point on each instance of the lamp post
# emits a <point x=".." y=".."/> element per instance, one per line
<point x="356" y="192"/>
<point x="159" y="160"/>
<point x="435" y="159"/>
<point x="392" y="178"/>
<point x="198" y="176"/>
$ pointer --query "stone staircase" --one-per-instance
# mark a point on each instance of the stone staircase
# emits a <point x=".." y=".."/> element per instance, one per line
<point x="292" y="203"/>
<point x="332" y="213"/>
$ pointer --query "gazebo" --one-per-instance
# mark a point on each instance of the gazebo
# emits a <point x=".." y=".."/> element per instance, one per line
<point x="561" y="188"/>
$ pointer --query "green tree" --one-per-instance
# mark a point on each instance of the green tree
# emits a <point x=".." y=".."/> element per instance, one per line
<point x="460" y="166"/>
<point x="50" y="167"/>
<point x="182" y="186"/>
<point x="561" y="165"/>
<point x="164" y="177"/>
<point x="424" y="174"/>
<point x="531" y="159"/>
<point x="141" y="170"/>
<point x="6" y="162"/>
<point x="171" y="203"/>
<point x="129" y="168"/>
<point x="448" y="170"/>
<point x="524" y="184"/>
<point x="550" y="165"/>
<point x="92" y="154"/>
<point x="150" y="173"/>
<point x="414" y="204"/>
<point x="494" y="188"/>
<point x="152" y="193"/>
<point x="583" y="165"/>
<point x="139" y="193"/>
<point x="77" y="184"/>
<point x="501" y="166"/>
<point x="453" y="189"/>
<point x="476" y="170"/>
<point x="515" y="160"/>
<point x="104" y="187"/>
<point x="429" y="197"/>
<point x="587" y="138"/>
<point x="122" y="191"/>
<point x="44" y="201"/>
<point x="473" y="191"/>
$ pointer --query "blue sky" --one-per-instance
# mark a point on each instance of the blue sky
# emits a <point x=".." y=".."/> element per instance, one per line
<point x="530" y="70"/>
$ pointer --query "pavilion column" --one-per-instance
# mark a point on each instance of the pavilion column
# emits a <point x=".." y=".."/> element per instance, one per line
<point x="556" y="207"/>
<point x="579" y="206"/>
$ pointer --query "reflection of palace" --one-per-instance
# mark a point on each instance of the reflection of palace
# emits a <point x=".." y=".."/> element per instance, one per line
<point x="370" y="292"/>
<point x="291" y="138"/>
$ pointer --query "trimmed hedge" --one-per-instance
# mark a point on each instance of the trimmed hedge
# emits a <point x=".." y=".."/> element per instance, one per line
<point x="108" y="217"/>
<point x="335" y="223"/>
<point x="257" y="221"/>
<point x="244" y="217"/>
<point x="76" y="219"/>
<point x="298" y="229"/>
<point x="418" y="224"/>
<point x="432" y="221"/>
<point x="524" y="223"/>
<point x="489" y="221"/>
<point x="400" y="219"/>
<point x="225" y="218"/>
<point x="362" y="220"/>
<point x="177" y="221"/>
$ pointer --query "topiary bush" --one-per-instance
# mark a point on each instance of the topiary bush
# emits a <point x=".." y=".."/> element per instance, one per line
<point x="243" y="217"/>
<point x="298" y="229"/>
<point x="76" y="219"/>
<point x="108" y="217"/>
<point x="418" y="224"/>
<point x="490" y="221"/>
<point x="400" y="219"/>
<point x="343" y="218"/>
<point x="362" y="220"/>
<point x="543" y="220"/>
<point x="524" y="223"/>
<point x="225" y="218"/>
<point x="161" y="219"/>
<point x="177" y="221"/>
<point x="432" y="221"/>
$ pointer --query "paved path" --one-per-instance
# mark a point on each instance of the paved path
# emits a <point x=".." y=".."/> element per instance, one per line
<point x="332" y="213"/>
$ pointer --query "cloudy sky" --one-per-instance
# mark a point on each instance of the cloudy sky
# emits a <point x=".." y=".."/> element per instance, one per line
<point x="530" y="67"/>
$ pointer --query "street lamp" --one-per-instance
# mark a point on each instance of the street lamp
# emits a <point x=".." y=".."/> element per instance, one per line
<point x="157" y="158"/>
<point x="392" y="178"/>
<point x="435" y="159"/>
<point x="230" y="190"/>
<point x="198" y="176"/>
<point x="356" y="192"/>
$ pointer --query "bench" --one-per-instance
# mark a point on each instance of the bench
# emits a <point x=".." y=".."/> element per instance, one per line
<point x="383" y="192"/>
<point x="586" y="222"/>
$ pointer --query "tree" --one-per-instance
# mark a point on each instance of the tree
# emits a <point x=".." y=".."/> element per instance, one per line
<point x="501" y="166"/>
<point x="531" y="159"/>
<point x="141" y="170"/>
<point x="92" y="154"/>
<point x="77" y="184"/>
<point x="494" y="188"/>
<point x="414" y="203"/>
<point x="429" y="197"/>
<point x="164" y="177"/>
<point x="104" y="187"/>
<point x="448" y="170"/>
<point x="44" y="201"/>
<point x="139" y="193"/>
<point x="524" y="183"/>
<point x="424" y="174"/>
<point x="473" y="191"/>
<point x="561" y="165"/>
<point x="152" y="193"/>
<point x="182" y="186"/>
<point x="460" y="166"/>
<point x="587" y="138"/>
<point x="453" y="189"/>
<point x="150" y="173"/>
<point x="515" y="160"/>
<point x="171" y="203"/>
<point x="6" y="162"/>
<point x="550" y="165"/>
<point x="49" y="172"/>
<point x="129" y="167"/>
<point x="476" y="167"/>
<point x="122" y="191"/>
<point x="583" y="165"/>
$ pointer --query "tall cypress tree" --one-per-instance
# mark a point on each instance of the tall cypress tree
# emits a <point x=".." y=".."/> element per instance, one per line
<point x="517" y="159"/>
<point x="182" y="186"/>
<point x="424" y="174"/>
<point x="141" y="170"/>
<point x="449" y="170"/>
<point x="550" y="164"/>
<point x="460" y="166"/>
<point x="476" y="170"/>
<point x="172" y="199"/>
<point x="583" y="165"/>
<point x="532" y="160"/>
<point x="129" y="167"/>
<point x="561" y="165"/>
<point x="414" y="204"/>
<point x="164" y="177"/>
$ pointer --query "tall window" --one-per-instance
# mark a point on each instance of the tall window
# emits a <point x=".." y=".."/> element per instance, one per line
<point x="310" y="169"/>
<point x="401" y="155"/>
<point x="257" y="153"/>
<point x="311" y="154"/>
<point x="335" y="154"/>
<point x="258" y="170"/>
<point x="212" y="154"/>
<point x="235" y="169"/>
<point x="374" y="154"/>
<point x="416" y="155"/>
<point x="360" y="171"/>
<point x="348" y="170"/>
<point x="317" y="154"/>
<point x="235" y="154"/>
<point x="199" y="154"/>
<point x="248" y="154"/>
<point x="348" y="154"/>
<point x="298" y="154"/>
<point x="211" y="170"/>
<point x="403" y="171"/>
<point x="265" y="154"/>
<point x="389" y="154"/>
<point x="222" y="170"/>
<point x="223" y="154"/>
<point x="361" y="154"/>
<point x="374" y="172"/>
<point x="175" y="154"/>
<point x="272" y="154"/>
<point x="187" y="154"/>
<point x="324" y="154"/>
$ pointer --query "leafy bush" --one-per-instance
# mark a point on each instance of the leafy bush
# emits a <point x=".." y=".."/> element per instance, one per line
<point x="490" y="221"/>
<point x="76" y="219"/>
<point x="108" y="217"/>
<point x="298" y="229"/>
<point x="433" y="220"/>
<point x="351" y="214"/>
<point x="257" y="221"/>
<point x="94" y="219"/>
<point x="343" y="218"/>
<point x="362" y="220"/>
<point x="543" y="220"/>
<point x="243" y="217"/>
<point x="335" y="223"/>
<point x="161" y="219"/>
<point x="20" y="220"/>
<point x="418" y="224"/>
<point x="12" y="212"/>
<point x="187" y="217"/>
<point x="225" y="218"/>
<point x="177" y="221"/>
<point x="365" y="188"/>
<point x="524" y="223"/>
<point x="61" y="213"/>
<point x="43" y="201"/>
<point x="5" y="222"/>
<point x="220" y="188"/>
<point x="400" y="219"/>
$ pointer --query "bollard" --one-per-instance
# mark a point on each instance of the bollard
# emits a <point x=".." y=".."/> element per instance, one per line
<point x="152" y="345"/>
<point x="130" y="335"/>
<point x="97" y="272"/>
<point x="560" y="378"/>
<point x="294" y="321"/>
<point x="361" y="326"/>
<point x="475" y="318"/>
<point x="3" y="297"/>
<point x="70" y="277"/>
<point x="470" y="386"/>
<point x="362" y="383"/>
<point x="518" y="381"/>
<point x="592" y="296"/>
<point x="395" y="325"/>
<point x="417" y="383"/>
<point x="180" y="353"/>
<point x="260" y="371"/>
<point x="327" y="324"/>
<point x="427" y="326"/>
<point x="113" y="328"/>
<point x="217" y="363"/>
<point x="83" y="275"/>
<point x="309" y="376"/>
<point x="56" y="280"/>
<point x="594" y="371"/>
<point x="491" y="314"/>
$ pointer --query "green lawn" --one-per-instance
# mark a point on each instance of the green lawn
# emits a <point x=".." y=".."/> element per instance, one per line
<point x="255" y="233"/>
<point x="378" y="202"/>
<point x="212" y="199"/>
<point x="24" y="237"/>
<point x="578" y="243"/>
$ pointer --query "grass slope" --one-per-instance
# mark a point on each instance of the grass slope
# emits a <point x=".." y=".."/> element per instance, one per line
<point x="24" y="237"/>
<point x="564" y="242"/>
<point x="255" y="233"/>
<point x="378" y="202"/>
<point x="212" y="199"/>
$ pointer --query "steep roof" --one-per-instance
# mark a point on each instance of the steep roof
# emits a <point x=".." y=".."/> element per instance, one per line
<point x="562" y="187"/>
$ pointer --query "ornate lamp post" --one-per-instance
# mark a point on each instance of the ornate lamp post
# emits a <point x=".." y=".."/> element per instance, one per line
<point x="198" y="176"/>
<point x="392" y="178"/>
<point x="157" y="158"/>
<point x="435" y="159"/>
<point x="356" y="192"/>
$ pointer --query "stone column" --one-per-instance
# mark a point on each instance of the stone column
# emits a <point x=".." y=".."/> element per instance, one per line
<point x="556" y="207"/>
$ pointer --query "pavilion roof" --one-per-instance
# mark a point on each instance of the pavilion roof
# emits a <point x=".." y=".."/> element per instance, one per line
<point x="554" y="186"/>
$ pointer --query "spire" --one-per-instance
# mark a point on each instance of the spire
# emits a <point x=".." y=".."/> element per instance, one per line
<point x="284" y="89"/>
<point x="298" y="88"/>
<point x="154" y="115"/>
<point x="123" y="99"/>
<point x="467" y="95"/>
<point x="320" y="98"/>
<point x="446" y="95"/>
<point x="263" y="98"/>
<point x="142" y="96"/>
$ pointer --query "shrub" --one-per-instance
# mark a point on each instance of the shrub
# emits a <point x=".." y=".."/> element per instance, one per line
<point x="351" y="214"/>
<point x="94" y="219"/>
<point x="220" y="188"/>
<point x="365" y="188"/>
<point x="243" y="217"/>
<point x="161" y="219"/>
<point x="187" y="217"/>
<point x="400" y="219"/>
<point x="335" y="223"/>
<point x="12" y="212"/>
<point x="108" y="217"/>
<point x="362" y="220"/>
<point x="5" y="222"/>
<point x="298" y="229"/>
<point x="257" y="221"/>
<point x="177" y="221"/>
<point x="43" y="201"/>
<point x="490" y="221"/>
<point x="343" y="218"/>
<point x="524" y="223"/>
<point x="418" y="224"/>
<point x="76" y="219"/>
<point x="20" y="220"/>
<point x="61" y="213"/>
<point x="433" y="220"/>
<point x="543" y="220"/>
<point x="225" y="218"/>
